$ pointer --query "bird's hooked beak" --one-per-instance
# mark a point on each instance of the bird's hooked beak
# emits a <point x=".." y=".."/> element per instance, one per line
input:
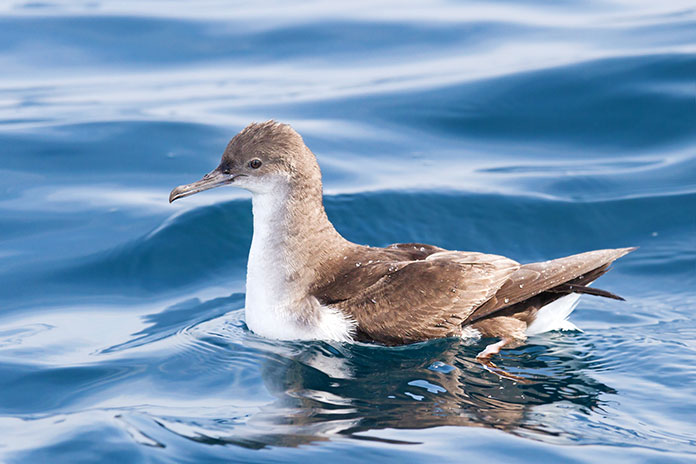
<point x="213" y="179"/>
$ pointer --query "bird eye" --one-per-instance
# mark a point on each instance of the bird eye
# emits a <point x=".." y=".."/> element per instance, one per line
<point x="226" y="171"/>
<point x="255" y="163"/>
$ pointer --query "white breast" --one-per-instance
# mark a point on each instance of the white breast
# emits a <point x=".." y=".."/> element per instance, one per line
<point x="273" y="303"/>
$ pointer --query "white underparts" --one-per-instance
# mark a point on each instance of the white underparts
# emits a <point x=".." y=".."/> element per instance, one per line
<point x="273" y="307"/>
<point x="554" y="316"/>
<point x="470" y="335"/>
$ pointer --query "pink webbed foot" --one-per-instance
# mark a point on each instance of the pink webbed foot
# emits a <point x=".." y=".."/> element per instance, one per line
<point x="492" y="349"/>
<point x="484" y="358"/>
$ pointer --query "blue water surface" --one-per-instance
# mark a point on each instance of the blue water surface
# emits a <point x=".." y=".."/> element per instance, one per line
<point x="532" y="129"/>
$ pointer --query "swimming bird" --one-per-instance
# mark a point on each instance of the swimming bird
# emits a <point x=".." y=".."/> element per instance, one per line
<point x="306" y="282"/>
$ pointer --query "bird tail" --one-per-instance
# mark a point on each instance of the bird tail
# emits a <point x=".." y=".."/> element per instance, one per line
<point x="554" y="315"/>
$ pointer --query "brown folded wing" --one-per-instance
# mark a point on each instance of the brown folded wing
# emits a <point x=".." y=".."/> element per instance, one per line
<point x="424" y="299"/>
<point x="535" y="278"/>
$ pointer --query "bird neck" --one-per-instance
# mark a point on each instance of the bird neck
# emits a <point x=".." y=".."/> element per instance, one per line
<point x="293" y="240"/>
<point x="293" y="246"/>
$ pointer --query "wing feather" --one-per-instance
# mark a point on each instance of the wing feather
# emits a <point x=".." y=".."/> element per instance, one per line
<point x="428" y="298"/>
<point x="535" y="278"/>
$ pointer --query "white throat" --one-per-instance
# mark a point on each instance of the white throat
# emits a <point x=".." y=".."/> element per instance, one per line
<point x="276" y="305"/>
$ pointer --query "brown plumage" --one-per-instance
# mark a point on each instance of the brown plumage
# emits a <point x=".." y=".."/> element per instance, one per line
<point x="305" y="280"/>
<point x="444" y="291"/>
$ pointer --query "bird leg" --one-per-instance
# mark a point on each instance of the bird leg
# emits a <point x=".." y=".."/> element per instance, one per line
<point x="492" y="349"/>
<point x="484" y="358"/>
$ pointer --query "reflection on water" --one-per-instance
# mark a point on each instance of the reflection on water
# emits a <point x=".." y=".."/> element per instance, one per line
<point x="325" y="391"/>
<point x="530" y="129"/>
<point x="322" y="390"/>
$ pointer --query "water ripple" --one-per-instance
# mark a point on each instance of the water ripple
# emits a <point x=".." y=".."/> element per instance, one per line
<point x="528" y="129"/>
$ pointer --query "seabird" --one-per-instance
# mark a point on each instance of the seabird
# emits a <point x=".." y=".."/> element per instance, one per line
<point x="306" y="282"/>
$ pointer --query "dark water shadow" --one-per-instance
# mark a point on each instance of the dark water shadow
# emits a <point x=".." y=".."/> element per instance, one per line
<point x="176" y="317"/>
<point x="326" y="391"/>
